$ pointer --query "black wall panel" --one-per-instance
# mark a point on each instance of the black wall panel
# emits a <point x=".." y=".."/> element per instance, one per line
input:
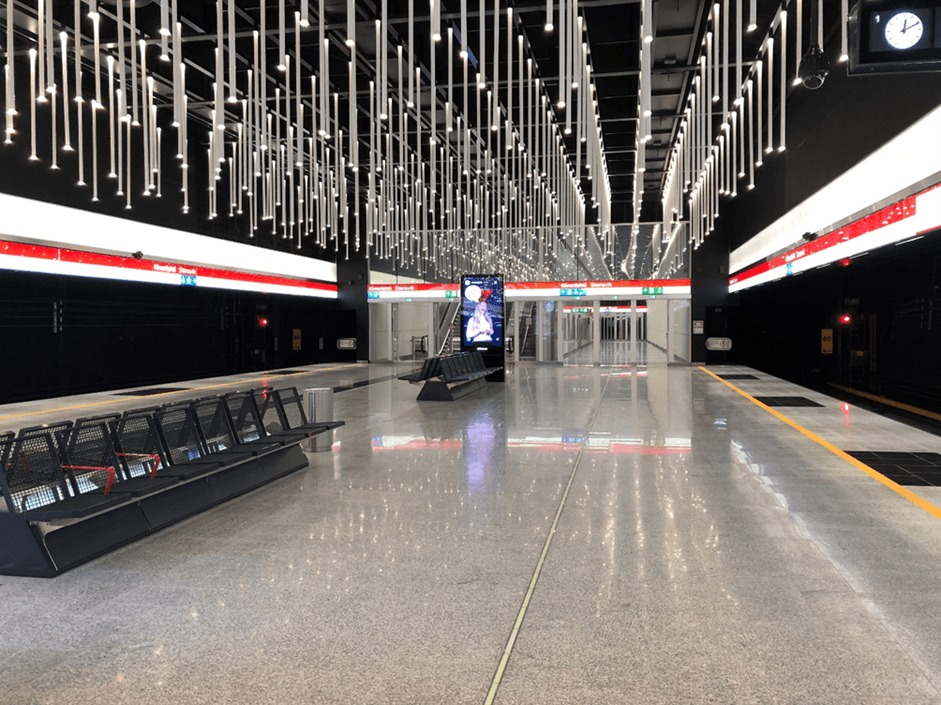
<point x="892" y="343"/>
<point x="68" y="335"/>
<point x="776" y="327"/>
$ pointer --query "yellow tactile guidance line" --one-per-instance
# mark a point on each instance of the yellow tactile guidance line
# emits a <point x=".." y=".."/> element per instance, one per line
<point x="919" y="502"/>
<point x="106" y="402"/>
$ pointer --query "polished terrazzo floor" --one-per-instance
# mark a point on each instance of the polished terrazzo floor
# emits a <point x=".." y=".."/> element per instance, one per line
<point x="580" y="534"/>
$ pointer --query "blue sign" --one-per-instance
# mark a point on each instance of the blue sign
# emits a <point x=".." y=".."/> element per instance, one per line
<point x="372" y="294"/>
<point x="188" y="280"/>
<point x="572" y="292"/>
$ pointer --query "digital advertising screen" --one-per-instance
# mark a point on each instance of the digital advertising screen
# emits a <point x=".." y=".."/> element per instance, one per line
<point x="482" y="311"/>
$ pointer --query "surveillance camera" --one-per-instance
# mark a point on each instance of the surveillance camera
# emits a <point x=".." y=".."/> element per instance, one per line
<point x="814" y="68"/>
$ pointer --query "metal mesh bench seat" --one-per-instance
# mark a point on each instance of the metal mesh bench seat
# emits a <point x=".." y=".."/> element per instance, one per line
<point x="218" y="433"/>
<point x="430" y="368"/>
<point x="179" y="435"/>
<point x="247" y="420"/>
<point x="37" y="486"/>
<point x="295" y="419"/>
<point x="91" y="444"/>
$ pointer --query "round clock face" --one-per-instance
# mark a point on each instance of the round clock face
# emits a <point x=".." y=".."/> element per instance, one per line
<point x="903" y="30"/>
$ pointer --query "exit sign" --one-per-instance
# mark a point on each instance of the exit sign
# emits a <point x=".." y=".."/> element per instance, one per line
<point x="651" y="290"/>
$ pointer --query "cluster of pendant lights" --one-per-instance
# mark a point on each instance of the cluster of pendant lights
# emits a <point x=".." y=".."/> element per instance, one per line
<point x="487" y="186"/>
<point x="716" y="154"/>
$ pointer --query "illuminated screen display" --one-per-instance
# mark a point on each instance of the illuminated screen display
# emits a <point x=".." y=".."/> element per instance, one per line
<point x="482" y="311"/>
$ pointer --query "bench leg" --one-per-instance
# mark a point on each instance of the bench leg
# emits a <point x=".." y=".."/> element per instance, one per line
<point x="21" y="550"/>
<point x="177" y="503"/>
<point x="284" y="462"/>
<point x="76" y="543"/>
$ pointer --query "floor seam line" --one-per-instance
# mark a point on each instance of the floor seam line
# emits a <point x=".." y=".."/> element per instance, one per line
<point x="537" y="571"/>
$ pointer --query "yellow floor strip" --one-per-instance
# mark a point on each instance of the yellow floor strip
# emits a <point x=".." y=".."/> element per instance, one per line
<point x="919" y="502"/>
<point x="106" y="402"/>
<point x="934" y="416"/>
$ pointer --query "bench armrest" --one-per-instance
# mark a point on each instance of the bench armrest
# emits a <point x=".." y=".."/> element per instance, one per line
<point x="94" y="468"/>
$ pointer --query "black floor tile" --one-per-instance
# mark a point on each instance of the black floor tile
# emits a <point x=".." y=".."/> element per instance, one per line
<point x="734" y="377"/>
<point x="913" y="481"/>
<point x="288" y="372"/>
<point x="152" y="391"/>
<point x="788" y="401"/>
<point x="907" y="469"/>
<point x="907" y="458"/>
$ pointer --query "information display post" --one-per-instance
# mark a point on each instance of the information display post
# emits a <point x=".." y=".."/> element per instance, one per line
<point x="483" y="319"/>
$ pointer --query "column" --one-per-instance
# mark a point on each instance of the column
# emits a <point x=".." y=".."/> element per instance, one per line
<point x="432" y="333"/>
<point x="517" y="333"/>
<point x="669" y="308"/>
<point x="633" y="323"/>
<point x="596" y="332"/>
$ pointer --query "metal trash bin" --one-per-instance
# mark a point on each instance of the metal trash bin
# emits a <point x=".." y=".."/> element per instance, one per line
<point x="319" y="404"/>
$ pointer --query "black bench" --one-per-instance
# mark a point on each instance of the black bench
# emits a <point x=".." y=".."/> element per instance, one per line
<point x="75" y="491"/>
<point x="430" y="368"/>
<point x="451" y="377"/>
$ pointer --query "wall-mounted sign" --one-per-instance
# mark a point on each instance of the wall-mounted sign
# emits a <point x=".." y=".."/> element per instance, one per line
<point x="296" y="340"/>
<point x="697" y="327"/>
<point x="826" y="341"/>
<point x="45" y="259"/>
<point x="601" y="290"/>
<point x="718" y="344"/>
<point x="907" y="219"/>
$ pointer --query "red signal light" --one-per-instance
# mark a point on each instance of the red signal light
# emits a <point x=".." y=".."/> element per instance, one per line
<point x="262" y="322"/>
<point x="846" y="319"/>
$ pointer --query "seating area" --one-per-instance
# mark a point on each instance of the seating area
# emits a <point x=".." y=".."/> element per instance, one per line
<point x="451" y="377"/>
<point x="75" y="490"/>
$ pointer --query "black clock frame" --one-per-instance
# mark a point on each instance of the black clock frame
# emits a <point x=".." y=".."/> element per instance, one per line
<point x="871" y="53"/>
